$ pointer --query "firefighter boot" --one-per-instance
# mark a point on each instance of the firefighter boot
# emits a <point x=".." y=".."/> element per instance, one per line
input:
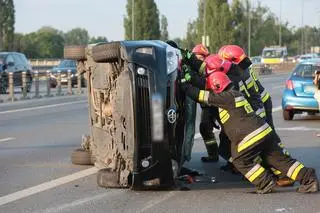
<point x="267" y="189"/>
<point x="309" y="183"/>
<point x="212" y="150"/>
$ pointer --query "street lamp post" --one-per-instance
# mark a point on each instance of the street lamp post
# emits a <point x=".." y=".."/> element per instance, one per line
<point x="132" y="18"/>
<point x="302" y="44"/>
<point x="280" y="36"/>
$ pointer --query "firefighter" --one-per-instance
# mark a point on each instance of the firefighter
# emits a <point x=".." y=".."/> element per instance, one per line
<point x="236" y="54"/>
<point x="208" y="117"/>
<point x="250" y="135"/>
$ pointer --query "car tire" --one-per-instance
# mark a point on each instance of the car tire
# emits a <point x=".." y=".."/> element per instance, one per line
<point x="287" y="115"/>
<point x="75" y="52"/>
<point x="108" y="179"/>
<point x="109" y="52"/>
<point x="81" y="157"/>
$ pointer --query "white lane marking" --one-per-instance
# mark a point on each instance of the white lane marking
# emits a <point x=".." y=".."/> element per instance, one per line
<point x="198" y="135"/>
<point x="298" y="128"/>
<point x="6" y="139"/>
<point x="45" y="186"/>
<point x="277" y="87"/>
<point x="42" y="107"/>
<point x="86" y="200"/>
<point x="156" y="201"/>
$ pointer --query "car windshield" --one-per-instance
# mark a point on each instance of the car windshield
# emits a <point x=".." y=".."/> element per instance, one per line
<point x="67" y="63"/>
<point x="272" y="53"/>
<point x="305" y="70"/>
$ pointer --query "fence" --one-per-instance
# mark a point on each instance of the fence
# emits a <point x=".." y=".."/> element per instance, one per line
<point x="23" y="87"/>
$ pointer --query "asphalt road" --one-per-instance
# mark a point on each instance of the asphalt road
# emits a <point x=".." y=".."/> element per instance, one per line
<point x="36" y="175"/>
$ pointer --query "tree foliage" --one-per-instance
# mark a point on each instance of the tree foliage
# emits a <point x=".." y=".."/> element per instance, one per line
<point x="7" y="21"/>
<point x="229" y="23"/>
<point x="164" y="28"/>
<point x="143" y="16"/>
<point x="77" y="36"/>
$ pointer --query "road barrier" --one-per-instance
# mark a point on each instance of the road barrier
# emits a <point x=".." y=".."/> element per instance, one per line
<point x="11" y="88"/>
<point x="17" y="86"/>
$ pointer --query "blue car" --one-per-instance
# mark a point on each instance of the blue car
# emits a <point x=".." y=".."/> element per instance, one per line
<point x="298" y="96"/>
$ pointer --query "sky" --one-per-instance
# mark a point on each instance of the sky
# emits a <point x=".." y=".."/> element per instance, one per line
<point x="105" y="17"/>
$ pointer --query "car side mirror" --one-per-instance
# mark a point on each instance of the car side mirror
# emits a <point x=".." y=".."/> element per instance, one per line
<point x="10" y="63"/>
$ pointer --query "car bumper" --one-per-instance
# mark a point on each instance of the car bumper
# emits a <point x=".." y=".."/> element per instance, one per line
<point x="297" y="103"/>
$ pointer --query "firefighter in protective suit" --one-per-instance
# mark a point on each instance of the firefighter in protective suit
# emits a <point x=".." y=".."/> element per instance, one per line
<point x="236" y="54"/>
<point x="208" y="117"/>
<point x="250" y="135"/>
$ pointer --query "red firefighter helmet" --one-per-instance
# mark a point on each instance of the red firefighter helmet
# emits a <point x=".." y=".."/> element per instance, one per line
<point x="200" y="49"/>
<point x="214" y="63"/>
<point x="233" y="53"/>
<point x="217" y="82"/>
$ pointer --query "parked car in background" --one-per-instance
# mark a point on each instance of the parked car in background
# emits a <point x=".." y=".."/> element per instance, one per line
<point x="256" y="60"/>
<point x="307" y="57"/>
<point x="299" y="91"/>
<point x="16" y="63"/>
<point x="64" y="67"/>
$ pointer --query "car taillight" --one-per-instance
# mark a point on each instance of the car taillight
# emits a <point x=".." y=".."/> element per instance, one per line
<point x="289" y="84"/>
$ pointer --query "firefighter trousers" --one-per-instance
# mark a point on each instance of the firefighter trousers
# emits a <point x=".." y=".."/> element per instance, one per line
<point x="207" y="124"/>
<point x="268" y="149"/>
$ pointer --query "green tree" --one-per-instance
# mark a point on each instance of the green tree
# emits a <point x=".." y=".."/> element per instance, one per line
<point x="7" y="21"/>
<point x="164" y="28"/>
<point x="98" y="39"/>
<point x="191" y="38"/>
<point x="144" y="18"/>
<point x="76" y="36"/>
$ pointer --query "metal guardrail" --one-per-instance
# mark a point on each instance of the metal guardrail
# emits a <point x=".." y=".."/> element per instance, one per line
<point x="40" y="87"/>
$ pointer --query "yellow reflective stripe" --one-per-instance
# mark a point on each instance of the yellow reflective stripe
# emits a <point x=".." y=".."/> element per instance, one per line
<point x="209" y="142"/>
<point x="201" y="96"/>
<point x="253" y="74"/>
<point x="223" y="113"/>
<point x="261" y="112"/>
<point x="202" y="68"/>
<point x="275" y="171"/>
<point x="294" y="170"/>
<point x="255" y="172"/>
<point x="243" y="88"/>
<point x="249" y="82"/>
<point x="241" y="103"/>
<point x="254" y="136"/>
<point x="264" y="96"/>
<point x="224" y="118"/>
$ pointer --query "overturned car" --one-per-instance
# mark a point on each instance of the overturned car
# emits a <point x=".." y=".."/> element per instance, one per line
<point x="137" y="115"/>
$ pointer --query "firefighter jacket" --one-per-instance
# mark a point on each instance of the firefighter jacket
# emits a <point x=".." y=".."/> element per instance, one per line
<point x="243" y="127"/>
<point x="242" y="82"/>
<point x="260" y="89"/>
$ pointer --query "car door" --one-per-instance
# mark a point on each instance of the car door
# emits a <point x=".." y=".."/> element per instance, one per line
<point x="18" y="69"/>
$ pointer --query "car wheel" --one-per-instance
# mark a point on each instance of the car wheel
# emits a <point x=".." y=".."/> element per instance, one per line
<point x="109" y="52"/>
<point x="74" y="52"/>
<point x="81" y="157"/>
<point x="287" y="115"/>
<point x="108" y="179"/>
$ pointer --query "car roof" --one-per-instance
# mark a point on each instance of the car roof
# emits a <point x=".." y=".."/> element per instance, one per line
<point x="311" y="61"/>
<point x="308" y="54"/>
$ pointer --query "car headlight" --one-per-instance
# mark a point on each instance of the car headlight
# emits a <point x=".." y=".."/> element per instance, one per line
<point x="172" y="59"/>
<point x="281" y="59"/>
